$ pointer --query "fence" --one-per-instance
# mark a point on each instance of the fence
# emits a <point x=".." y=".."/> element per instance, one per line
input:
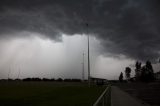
<point x="105" y="98"/>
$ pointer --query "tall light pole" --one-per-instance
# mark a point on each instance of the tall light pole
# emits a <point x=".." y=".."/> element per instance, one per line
<point x="9" y="72"/>
<point x="19" y="73"/>
<point x="89" y="82"/>
<point x="83" y="68"/>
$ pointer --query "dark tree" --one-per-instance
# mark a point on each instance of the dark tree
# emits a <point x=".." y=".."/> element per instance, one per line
<point x="121" y="77"/>
<point x="59" y="80"/>
<point x="138" y="70"/>
<point x="138" y="65"/>
<point x="149" y="66"/>
<point x="147" y="74"/>
<point x="127" y="72"/>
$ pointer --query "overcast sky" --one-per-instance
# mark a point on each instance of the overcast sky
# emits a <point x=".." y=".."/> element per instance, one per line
<point x="46" y="38"/>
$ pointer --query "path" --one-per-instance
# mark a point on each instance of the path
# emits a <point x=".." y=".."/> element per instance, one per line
<point x="121" y="98"/>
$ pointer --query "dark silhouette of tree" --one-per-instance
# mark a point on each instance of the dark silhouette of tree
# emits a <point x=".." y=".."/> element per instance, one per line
<point x="121" y="77"/>
<point x="127" y="72"/>
<point x="31" y="79"/>
<point x="59" y="80"/>
<point x="45" y="79"/>
<point x="147" y="74"/>
<point x="149" y="66"/>
<point x="138" y="70"/>
<point x="76" y="80"/>
<point x="67" y="80"/>
<point x="52" y="79"/>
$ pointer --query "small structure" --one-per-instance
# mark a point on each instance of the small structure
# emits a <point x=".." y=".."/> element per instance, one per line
<point x="157" y="75"/>
<point x="99" y="81"/>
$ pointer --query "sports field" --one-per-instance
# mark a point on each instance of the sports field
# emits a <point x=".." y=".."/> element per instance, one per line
<point x="48" y="94"/>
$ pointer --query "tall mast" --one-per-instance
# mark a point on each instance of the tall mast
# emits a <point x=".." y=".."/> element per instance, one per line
<point x="83" y="68"/>
<point x="19" y="73"/>
<point x="88" y="59"/>
<point x="9" y="72"/>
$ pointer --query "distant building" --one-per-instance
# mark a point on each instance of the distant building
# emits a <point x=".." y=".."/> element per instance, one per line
<point x="99" y="81"/>
<point x="157" y="75"/>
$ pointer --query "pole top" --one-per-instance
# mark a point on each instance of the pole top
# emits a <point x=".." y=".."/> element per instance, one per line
<point x="87" y="24"/>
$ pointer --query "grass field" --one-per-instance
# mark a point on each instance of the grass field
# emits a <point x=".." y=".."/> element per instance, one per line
<point x="48" y="94"/>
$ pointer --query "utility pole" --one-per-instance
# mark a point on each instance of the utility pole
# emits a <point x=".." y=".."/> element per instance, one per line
<point x="9" y="72"/>
<point x="89" y="82"/>
<point x="19" y="73"/>
<point x="83" y="68"/>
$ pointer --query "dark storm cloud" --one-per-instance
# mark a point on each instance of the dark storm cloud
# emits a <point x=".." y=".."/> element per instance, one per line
<point x="132" y="27"/>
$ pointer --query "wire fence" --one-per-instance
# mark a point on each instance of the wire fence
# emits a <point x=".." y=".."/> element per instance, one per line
<point x="105" y="98"/>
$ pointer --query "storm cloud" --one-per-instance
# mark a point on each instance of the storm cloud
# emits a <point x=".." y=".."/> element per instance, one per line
<point x="127" y="27"/>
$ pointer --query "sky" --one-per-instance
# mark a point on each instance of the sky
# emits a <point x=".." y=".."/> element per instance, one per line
<point x="46" y="38"/>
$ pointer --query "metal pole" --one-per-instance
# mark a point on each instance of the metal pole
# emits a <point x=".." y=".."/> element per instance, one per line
<point x="9" y="72"/>
<point x="83" y="68"/>
<point x="88" y="59"/>
<point x="19" y="73"/>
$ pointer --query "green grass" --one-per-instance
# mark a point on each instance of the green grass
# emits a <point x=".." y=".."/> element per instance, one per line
<point x="48" y="94"/>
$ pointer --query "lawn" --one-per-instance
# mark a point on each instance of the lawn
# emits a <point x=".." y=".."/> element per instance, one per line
<point x="48" y="94"/>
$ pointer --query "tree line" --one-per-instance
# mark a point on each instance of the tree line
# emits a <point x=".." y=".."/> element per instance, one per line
<point x="44" y="79"/>
<point x="143" y="73"/>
